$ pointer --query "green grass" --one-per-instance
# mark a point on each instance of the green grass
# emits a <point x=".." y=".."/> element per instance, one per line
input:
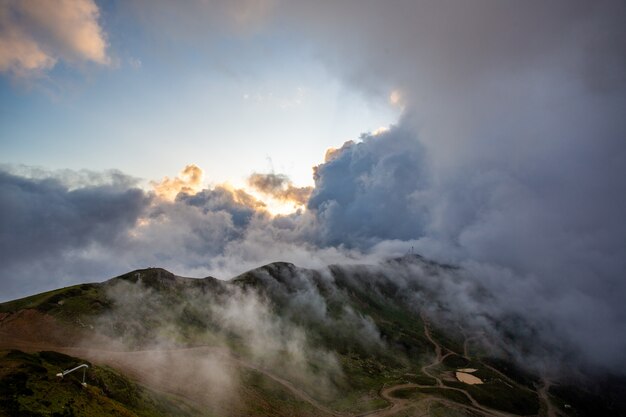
<point x="357" y="391"/>
<point x="456" y="361"/>
<point x="29" y="387"/>
<point x="417" y="393"/>
<point x="501" y="397"/>
<point x="44" y="302"/>
<point x="441" y="410"/>
<point x="513" y="371"/>
<point x="419" y="379"/>
<point x="77" y="304"/>
<point x="607" y="398"/>
<point x="366" y="366"/>
<point x="272" y="398"/>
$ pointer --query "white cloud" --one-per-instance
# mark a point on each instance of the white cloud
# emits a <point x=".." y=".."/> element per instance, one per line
<point x="36" y="34"/>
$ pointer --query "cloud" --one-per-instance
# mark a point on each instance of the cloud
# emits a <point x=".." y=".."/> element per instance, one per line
<point x="44" y="223"/>
<point x="62" y="227"/>
<point x="395" y="98"/>
<point x="509" y="160"/>
<point x="197" y="17"/>
<point x="100" y="230"/>
<point x="19" y="54"/>
<point x="371" y="190"/>
<point x="240" y="205"/>
<point x="35" y="34"/>
<point x="509" y="153"/>
<point x="188" y="181"/>
<point x="279" y="187"/>
<point x="216" y="316"/>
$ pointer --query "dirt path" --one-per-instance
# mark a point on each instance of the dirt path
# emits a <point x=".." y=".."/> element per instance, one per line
<point x="543" y="393"/>
<point x="396" y="404"/>
<point x="437" y="346"/>
<point x="505" y="379"/>
<point x="508" y="380"/>
<point x="466" y="342"/>
<point x="141" y="365"/>
<point x="439" y="357"/>
<point x="160" y="370"/>
<point x="400" y="404"/>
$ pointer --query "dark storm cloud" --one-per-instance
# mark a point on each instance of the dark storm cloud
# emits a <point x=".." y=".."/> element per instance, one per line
<point x="370" y="191"/>
<point x="42" y="219"/>
<point x="519" y="110"/>
<point x="240" y="205"/>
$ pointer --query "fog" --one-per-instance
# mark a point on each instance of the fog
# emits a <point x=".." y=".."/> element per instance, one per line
<point x="508" y="161"/>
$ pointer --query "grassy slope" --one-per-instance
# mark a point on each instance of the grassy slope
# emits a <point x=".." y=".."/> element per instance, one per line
<point x="366" y="368"/>
<point x="407" y="348"/>
<point x="603" y="397"/>
<point x="61" y="302"/>
<point x="29" y="387"/>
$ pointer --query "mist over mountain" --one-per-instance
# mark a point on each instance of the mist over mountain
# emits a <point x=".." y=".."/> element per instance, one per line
<point x="492" y="144"/>
<point x="370" y="201"/>
<point x="327" y="336"/>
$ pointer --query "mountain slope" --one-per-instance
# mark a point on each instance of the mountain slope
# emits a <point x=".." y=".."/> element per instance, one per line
<point x="29" y="387"/>
<point x="282" y="340"/>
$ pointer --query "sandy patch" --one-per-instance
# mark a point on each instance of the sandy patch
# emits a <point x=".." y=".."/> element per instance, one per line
<point x="468" y="378"/>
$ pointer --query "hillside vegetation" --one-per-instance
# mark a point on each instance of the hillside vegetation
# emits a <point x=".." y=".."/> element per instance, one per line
<point x="277" y="340"/>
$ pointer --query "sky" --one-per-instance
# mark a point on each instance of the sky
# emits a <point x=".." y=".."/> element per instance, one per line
<point x="211" y="137"/>
<point x="149" y="107"/>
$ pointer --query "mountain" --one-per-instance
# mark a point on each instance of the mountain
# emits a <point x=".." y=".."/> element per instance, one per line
<point x="279" y="340"/>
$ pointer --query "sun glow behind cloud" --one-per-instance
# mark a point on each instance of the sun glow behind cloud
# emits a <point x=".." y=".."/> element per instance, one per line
<point x="273" y="206"/>
<point x="277" y="192"/>
<point x="260" y="201"/>
<point x="272" y="193"/>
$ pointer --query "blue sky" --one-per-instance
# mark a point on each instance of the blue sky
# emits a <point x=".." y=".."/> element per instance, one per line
<point x="230" y="104"/>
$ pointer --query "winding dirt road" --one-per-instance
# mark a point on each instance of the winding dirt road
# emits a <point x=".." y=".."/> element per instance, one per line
<point x="189" y="372"/>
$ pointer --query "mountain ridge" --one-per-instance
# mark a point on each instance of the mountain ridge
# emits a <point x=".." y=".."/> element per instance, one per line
<point x="332" y="338"/>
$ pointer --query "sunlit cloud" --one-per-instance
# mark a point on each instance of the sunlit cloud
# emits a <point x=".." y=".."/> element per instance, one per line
<point x="279" y="192"/>
<point x="188" y="181"/>
<point x="280" y="187"/>
<point x="141" y="224"/>
<point x="331" y="153"/>
<point x="19" y="54"/>
<point x="36" y="34"/>
<point x="396" y="98"/>
<point x="380" y="130"/>
<point x="243" y="197"/>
